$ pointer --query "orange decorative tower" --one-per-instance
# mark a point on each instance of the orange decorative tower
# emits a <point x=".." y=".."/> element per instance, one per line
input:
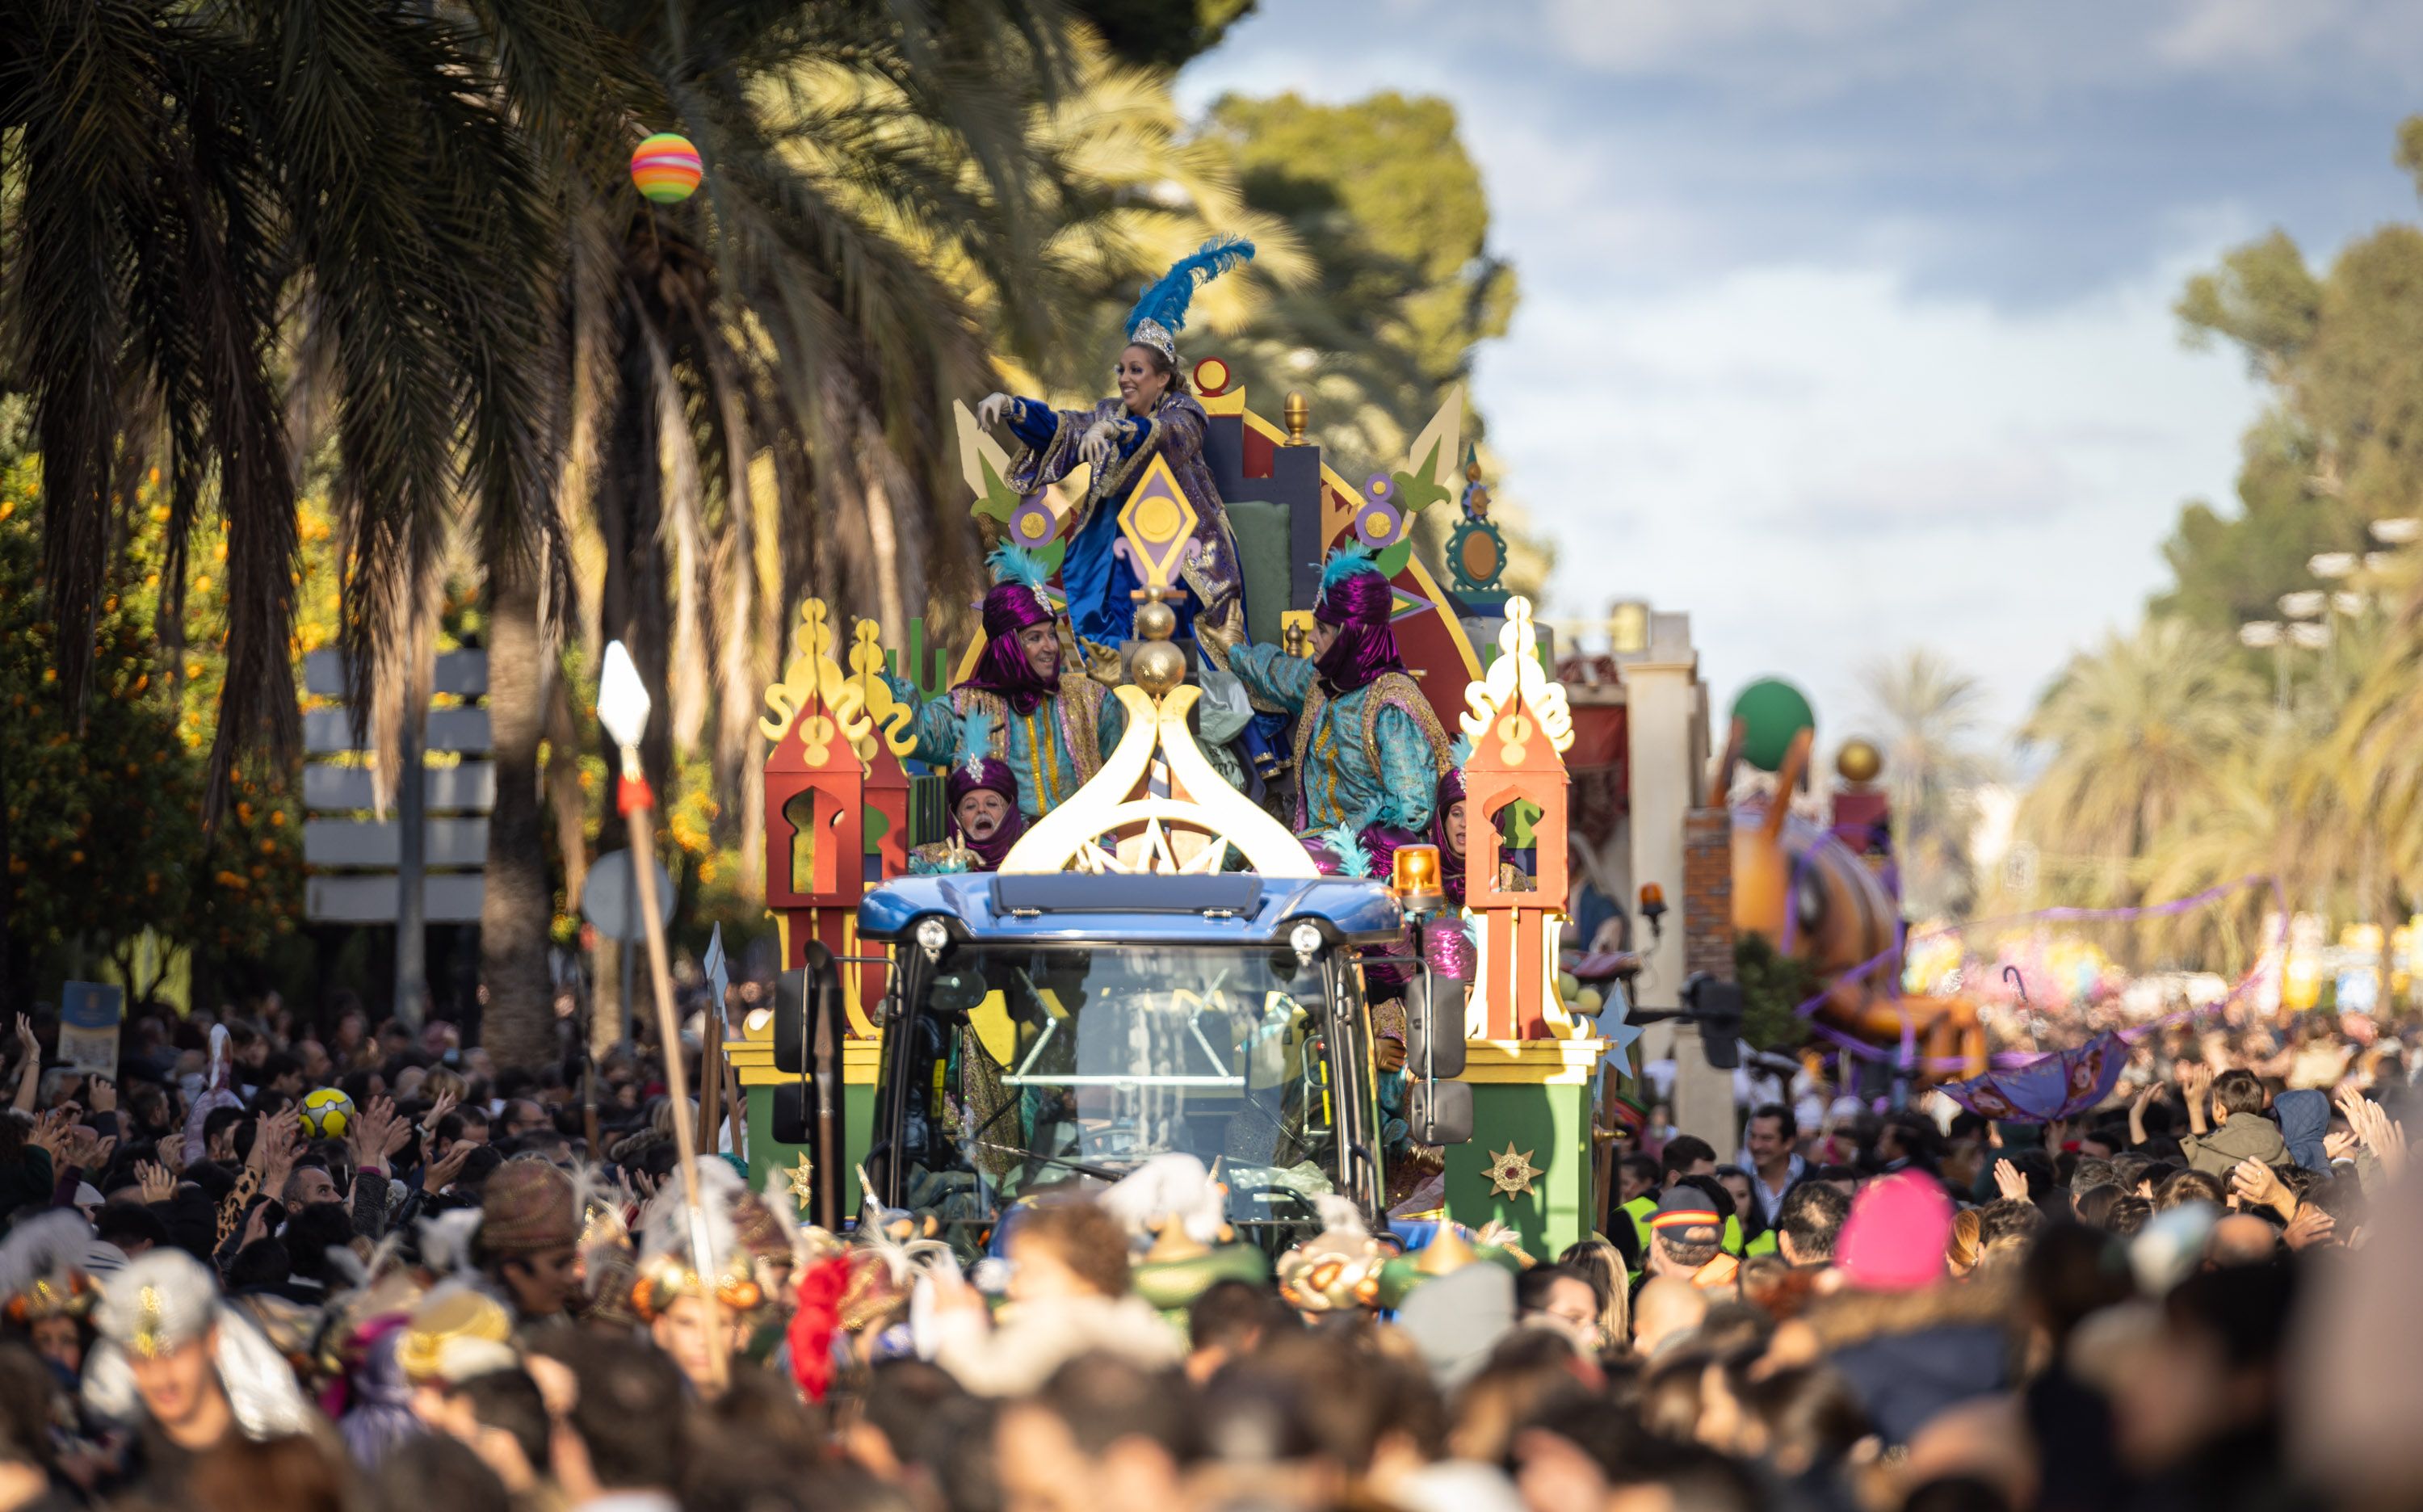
<point x="1519" y="726"/>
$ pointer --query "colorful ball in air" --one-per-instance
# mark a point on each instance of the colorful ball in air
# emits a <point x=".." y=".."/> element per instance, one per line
<point x="1772" y="712"/>
<point x="666" y="167"/>
<point x="326" y="1112"/>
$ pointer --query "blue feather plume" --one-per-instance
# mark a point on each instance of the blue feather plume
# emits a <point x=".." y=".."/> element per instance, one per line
<point x="1166" y="300"/>
<point x="1344" y="563"/>
<point x="975" y="738"/>
<point x="1347" y="845"/>
<point x="1461" y="751"/>
<point x="1016" y="564"/>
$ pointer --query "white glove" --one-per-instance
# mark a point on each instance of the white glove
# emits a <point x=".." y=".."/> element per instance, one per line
<point x="993" y="405"/>
<point x="1096" y="445"/>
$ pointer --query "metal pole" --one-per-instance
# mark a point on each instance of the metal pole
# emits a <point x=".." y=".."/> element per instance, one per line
<point x="411" y="909"/>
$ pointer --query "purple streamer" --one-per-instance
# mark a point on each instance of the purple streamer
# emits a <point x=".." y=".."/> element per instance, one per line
<point x="1910" y="1060"/>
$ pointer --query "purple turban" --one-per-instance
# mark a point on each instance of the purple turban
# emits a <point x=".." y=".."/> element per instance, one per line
<point x="1014" y="603"/>
<point x="1358" y="600"/>
<point x="987" y="775"/>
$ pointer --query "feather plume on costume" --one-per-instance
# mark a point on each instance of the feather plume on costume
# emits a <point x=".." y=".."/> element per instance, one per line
<point x="1347" y="845"/>
<point x="1339" y="1215"/>
<point x="1016" y="564"/>
<point x="446" y="1240"/>
<point x="1166" y="300"/>
<point x="664" y="1224"/>
<point x="1344" y="563"/>
<point x="1460" y="752"/>
<point x="975" y="739"/>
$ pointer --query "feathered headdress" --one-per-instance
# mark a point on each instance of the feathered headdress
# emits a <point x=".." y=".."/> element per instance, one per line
<point x="1016" y="564"/>
<point x="46" y="1269"/>
<point x="667" y="1264"/>
<point x="1460" y="752"/>
<point x="1159" y="312"/>
<point x="1346" y="562"/>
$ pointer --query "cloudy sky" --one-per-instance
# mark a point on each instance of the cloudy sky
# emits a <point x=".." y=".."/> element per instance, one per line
<point x="1845" y="325"/>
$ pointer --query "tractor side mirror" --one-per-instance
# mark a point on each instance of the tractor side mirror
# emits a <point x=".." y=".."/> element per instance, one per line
<point x="792" y="1118"/>
<point x="800" y="999"/>
<point x="1433" y="1027"/>
<point x="1439" y="1112"/>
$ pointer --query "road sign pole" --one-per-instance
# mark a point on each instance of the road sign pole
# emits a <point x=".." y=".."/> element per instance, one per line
<point x="626" y="977"/>
<point x="412" y="909"/>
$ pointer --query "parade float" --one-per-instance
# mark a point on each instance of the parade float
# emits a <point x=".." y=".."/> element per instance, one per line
<point x="1161" y="965"/>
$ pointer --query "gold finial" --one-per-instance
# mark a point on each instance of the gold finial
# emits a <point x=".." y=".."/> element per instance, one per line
<point x="1298" y="413"/>
<point x="1858" y="761"/>
<point x="1157" y="665"/>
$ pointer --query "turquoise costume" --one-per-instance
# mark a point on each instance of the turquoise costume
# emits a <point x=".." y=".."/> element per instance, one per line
<point x="1054" y="751"/>
<point x="1370" y="757"/>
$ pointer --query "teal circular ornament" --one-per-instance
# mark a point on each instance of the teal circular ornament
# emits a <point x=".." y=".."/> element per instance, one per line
<point x="1772" y="712"/>
<point x="1476" y="554"/>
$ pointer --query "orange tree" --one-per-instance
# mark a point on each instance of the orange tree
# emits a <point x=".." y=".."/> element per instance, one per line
<point x="104" y="838"/>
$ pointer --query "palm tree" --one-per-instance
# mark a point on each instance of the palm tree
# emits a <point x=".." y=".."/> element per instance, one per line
<point x="2139" y="732"/>
<point x="181" y="177"/>
<point x="1931" y="716"/>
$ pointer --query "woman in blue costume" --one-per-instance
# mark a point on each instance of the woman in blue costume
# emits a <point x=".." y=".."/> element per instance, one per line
<point x="1369" y="749"/>
<point x="1051" y="725"/>
<point x="1152" y="416"/>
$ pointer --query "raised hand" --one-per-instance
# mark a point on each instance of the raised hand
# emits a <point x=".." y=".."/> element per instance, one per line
<point x="2259" y="1185"/>
<point x="103" y="1095"/>
<point x="50" y="1133"/>
<point x="440" y="1174"/>
<point x="2008" y="1180"/>
<point x="2311" y="1226"/>
<point x="158" y="1182"/>
<point x="439" y="1108"/>
<point x="991" y="407"/>
<point x="1094" y="448"/>
<point x="25" y="1040"/>
<point x="2338" y="1146"/>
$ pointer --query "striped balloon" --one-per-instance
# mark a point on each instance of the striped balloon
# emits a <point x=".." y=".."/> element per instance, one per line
<point x="666" y="167"/>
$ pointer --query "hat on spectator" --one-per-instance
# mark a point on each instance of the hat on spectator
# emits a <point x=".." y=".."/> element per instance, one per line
<point x="1895" y="1239"/>
<point x="527" y="1206"/>
<point x="1685" y="1208"/>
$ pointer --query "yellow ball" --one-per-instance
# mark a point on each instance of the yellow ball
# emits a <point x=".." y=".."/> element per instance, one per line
<point x="326" y="1112"/>
<point x="1858" y="761"/>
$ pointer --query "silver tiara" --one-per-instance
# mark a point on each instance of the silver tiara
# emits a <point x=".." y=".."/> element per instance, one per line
<point x="1152" y="333"/>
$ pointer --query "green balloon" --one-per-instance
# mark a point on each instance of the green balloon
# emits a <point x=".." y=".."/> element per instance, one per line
<point x="1772" y="712"/>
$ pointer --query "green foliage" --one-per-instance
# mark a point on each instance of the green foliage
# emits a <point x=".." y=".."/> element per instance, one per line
<point x="105" y="802"/>
<point x="2227" y="569"/>
<point x="1772" y="985"/>
<point x="1161" y="33"/>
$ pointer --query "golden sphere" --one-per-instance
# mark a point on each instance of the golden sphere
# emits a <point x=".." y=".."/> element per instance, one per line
<point x="1858" y="761"/>
<point x="1157" y="667"/>
<point x="1155" y="620"/>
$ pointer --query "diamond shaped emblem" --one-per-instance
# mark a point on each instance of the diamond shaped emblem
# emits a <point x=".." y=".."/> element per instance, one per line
<point x="1157" y="520"/>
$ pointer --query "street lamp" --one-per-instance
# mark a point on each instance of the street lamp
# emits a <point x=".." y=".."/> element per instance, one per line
<point x="2306" y="603"/>
<point x="622" y="706"/>
<point x="2311" y="635"/>
<point x="2404" y="531"/>
<point x="2332" y="566"/>
<point x="2259" y="634"/>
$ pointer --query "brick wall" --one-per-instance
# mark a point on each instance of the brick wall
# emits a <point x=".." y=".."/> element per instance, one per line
<point x="1708" y="892"/>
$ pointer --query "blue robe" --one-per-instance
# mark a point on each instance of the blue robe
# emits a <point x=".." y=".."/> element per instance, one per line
<point x="1372" y="757"/>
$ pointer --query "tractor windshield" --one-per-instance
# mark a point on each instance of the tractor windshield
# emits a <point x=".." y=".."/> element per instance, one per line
<point x="1033" y="1066"/>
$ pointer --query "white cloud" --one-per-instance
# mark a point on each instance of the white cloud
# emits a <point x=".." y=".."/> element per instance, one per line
<point x="1903" y="471"/>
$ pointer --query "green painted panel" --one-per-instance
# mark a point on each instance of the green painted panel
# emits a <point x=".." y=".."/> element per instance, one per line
<point x="767" y="1155"/>
<point x="1552" y="1123"/>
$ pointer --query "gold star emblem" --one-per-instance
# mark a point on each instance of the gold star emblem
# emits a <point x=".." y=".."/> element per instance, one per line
<point x="796" y="1180"/>
<point x="1511" y="1174"/>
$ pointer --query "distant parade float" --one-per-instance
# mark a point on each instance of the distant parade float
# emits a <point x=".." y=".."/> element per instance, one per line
<point x="666" y="167"/>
